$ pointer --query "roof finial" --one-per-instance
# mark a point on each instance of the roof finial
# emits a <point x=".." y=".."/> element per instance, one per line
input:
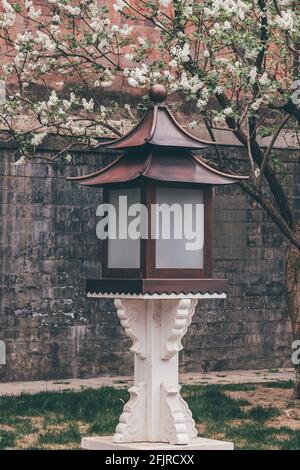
<point x="158" y="93"/>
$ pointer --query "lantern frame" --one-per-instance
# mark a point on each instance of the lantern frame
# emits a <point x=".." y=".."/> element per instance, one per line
<point x="148" y="267"/>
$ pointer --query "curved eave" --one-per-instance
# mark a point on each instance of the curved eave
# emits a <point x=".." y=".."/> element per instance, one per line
<point x="159" y="128"/>
<point x="159" y="165"/>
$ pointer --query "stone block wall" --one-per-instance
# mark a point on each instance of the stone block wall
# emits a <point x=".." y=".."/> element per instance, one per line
<point x="48" y="247"/>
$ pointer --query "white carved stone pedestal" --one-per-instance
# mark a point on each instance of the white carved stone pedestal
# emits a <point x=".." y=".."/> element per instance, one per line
<point x="155" y="412"/>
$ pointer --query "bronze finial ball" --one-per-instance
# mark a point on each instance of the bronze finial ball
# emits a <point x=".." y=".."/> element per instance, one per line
<point x="158" y="93"/>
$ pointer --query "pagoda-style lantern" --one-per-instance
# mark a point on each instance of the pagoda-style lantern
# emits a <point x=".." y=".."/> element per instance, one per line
<point x="158" y="166"/>
<point x="155" y="277"/>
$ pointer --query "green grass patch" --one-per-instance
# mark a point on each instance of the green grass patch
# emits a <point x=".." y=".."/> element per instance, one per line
<point x="211" y="403"/>
<point x="7" y="439"/>
<point x="60" y="437"/>
<point x="240" y="387"/>
<point x="263" y="413"/>
<point x="279" y="384"/>
<point x="50" y="419"/>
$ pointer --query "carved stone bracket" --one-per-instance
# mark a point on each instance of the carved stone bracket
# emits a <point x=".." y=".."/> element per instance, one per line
<point x="132" y="422"/>
<point x="178" y="426"/>
<point x="176" y="317"/>
<point x="132" y="315"/>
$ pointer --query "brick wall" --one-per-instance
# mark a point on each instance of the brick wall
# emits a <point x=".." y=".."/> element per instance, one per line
<point x="48" y="248"/>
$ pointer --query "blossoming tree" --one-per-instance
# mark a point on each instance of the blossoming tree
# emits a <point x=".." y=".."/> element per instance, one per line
<point x="235" y="61"/>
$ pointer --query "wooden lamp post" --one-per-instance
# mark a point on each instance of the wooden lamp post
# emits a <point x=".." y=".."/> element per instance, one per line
<point x="156" y="281"/>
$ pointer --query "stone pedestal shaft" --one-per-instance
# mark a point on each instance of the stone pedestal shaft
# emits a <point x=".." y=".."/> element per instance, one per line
<point x="155" y="412"/>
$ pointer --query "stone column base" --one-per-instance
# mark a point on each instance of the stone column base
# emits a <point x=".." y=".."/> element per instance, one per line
<point x="106" y="443"/>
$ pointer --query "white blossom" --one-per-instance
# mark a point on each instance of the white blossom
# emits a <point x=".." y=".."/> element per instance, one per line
<point x="218" y="90"/>
<point x="32" y="12"/>
<point x="53" y="99"/>
<point x="234" y="8"/>
<point x="133" y="82"/>
<point x="181" y="53"/>
<point x="129" y="57"/>
<point x="257" y="172"/>
<point x="7" y="18"/>
<point x="257" y="104"/>
<point x="201" y="104"/>
<point x="37" y="139"/>
<point x="285" y="21"/>
<point x="193" y="124"/>
<point x="74" y="11"/>
<point x="21" y="161"/>
<point x="88" y="105"/>
<point x="119" y="5"/>
<point x="126" y="30"/>
<point x="264" y="79"/>
<point x="142" y="41"/>
<point x="45" y="41"/>
<point x="228" y="111"/>
<point x="253" y="75"/>
<point x="173" y="63"/>
<point x="138" y="76"/>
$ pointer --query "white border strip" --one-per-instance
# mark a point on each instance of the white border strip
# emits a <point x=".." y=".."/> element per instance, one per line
<point x="110" y="295"/>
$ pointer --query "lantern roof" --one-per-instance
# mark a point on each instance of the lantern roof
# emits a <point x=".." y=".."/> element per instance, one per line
<point x="158" y="148"/>
<point x="175" y="166"/>
<point x="157" y="127"/>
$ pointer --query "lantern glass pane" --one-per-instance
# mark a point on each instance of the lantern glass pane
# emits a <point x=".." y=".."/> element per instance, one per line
<point x="179" y="228"/>
<point x="123" y="252"/>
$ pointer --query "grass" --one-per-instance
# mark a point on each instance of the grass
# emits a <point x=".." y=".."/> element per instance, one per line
<point x="54" y="420"/>
<point x="7" y="439"/>
<point x="67" y="436"/>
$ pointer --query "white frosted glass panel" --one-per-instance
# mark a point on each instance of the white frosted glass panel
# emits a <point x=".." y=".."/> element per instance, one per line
<point x="184" y="248"/>
<point x="123" y="253"/>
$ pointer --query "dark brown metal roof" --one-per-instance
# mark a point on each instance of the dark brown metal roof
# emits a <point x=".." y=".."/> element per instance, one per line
<point x="157" y="127"/>
<point x="158" y="164"/>
<point x="158" y="148"/>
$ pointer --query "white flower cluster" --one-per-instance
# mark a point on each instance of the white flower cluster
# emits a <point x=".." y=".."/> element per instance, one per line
<point x="264" y="79"/>
<point x="181" y="53"/>
<point x="43" y="40"/>
<point x="228" y="112"/>
<point x="74" y="11"/>
<point x="119" y="5"/>
<point x="88" y="105"/>
<point x="138" y="76"/>
<point x="235" y="8"/>
<point x="257" y="104"/>
<point x="164" y="3"/>
<point x="32" y="12"/>
<point x="8" y="17"/>
<point x="191" y="85"/>
<point x="21" y="161"/>
<point x="38" y="138"/>
<point x="285" y="21"/>
<point x="253" y="75"/>
<point x="107" y="79"/>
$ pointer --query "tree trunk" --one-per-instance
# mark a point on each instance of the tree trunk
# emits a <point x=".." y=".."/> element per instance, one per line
<point x="293" y="295"/>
